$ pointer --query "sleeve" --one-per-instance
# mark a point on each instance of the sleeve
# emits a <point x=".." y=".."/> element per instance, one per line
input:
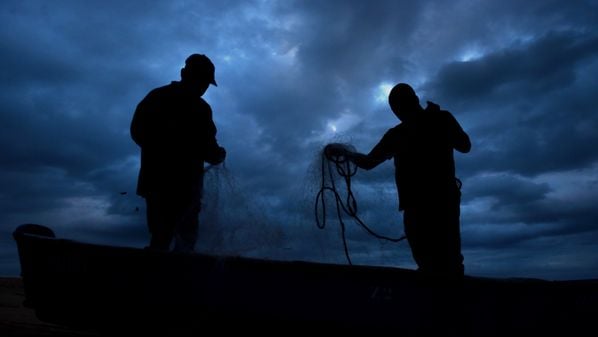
<point x="384" y="149"/>
<point x="460" y="139"/>
<point x="139" y="127"/>
<point x="380" y="152"/>
<point x="214" y="154"/>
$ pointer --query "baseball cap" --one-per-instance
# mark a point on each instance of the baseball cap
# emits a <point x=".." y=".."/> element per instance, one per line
<point x="201" y="65"/>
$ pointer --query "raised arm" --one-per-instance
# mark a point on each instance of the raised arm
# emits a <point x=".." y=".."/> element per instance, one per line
<point x="380" y="153"/>
<point x="363" y="161"/>
<point x="460" y="139"/>
<point x="342" y="152"/>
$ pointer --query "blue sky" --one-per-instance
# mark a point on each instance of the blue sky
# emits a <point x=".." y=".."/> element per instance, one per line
<point x="293" y="76"/>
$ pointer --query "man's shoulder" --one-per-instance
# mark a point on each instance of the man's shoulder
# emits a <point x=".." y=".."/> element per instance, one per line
<point x="435" y="108"/>
<point x="204" y="104"/>
<point x="168" y="88"/>
<point x="393" y="133"/>
<point x="174" y="92"/>
<point x="160" y="93"/>
<point x="396" y="129"/>
<point x="435" y="113"/>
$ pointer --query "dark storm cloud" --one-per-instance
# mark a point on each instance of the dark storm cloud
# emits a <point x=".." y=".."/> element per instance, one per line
<point x="531" y="101"/>
<point x="293" y="76"/>
<point x="506" y="189"/>
<point x="533" y="68"/>
<point x="505" y="211"/>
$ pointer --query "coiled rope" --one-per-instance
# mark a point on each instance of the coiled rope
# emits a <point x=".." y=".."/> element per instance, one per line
<point x="345" y="169"/>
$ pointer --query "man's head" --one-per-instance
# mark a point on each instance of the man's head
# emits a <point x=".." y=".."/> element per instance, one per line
<point x="198" y="72"/>
<point x="403" y="101"/>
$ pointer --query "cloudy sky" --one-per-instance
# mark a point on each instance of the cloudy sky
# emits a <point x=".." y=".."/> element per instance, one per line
<point x="520" y="76"/>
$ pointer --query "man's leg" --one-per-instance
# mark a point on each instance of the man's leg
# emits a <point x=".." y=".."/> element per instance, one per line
<point x="186" y="232"/>
<point x="160" y="223"/>
<point x="416" y="239"/>
<point x="454" y="255"/>
<point x="435" y="241"/>
<point x="445" y="239"/>
<point x="188" y="222"/>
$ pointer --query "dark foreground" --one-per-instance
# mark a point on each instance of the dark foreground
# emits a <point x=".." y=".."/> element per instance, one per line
<point x="120" y="290"/>
<point x="16" y="320"/>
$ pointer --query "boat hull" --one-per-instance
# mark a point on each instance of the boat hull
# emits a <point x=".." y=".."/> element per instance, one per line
<point x="107" y="287"/>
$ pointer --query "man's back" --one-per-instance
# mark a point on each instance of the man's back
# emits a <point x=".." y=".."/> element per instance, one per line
<point x="423" y="157"/>
<point x="175" y="131"/>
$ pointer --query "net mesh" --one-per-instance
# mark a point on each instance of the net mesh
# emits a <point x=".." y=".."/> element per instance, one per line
<point x="236" y="220"/>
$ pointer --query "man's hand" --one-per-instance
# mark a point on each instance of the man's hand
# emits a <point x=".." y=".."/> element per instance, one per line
<point x="217" y="156"/>
<point x="221" y="155"/>
<point x="335" y="150"/>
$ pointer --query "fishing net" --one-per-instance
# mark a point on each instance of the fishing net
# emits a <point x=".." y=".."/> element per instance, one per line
<point x="333" y="212"/>
<point x="231" y="221"/>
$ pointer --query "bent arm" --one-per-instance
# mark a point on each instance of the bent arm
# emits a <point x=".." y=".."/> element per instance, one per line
<point x="462" y="142"/>
<point x="460" y="139"/>
<point x="380" y="153"/>
<point x="138" y="124"/>
<point x="214" y="154"/>
<point x="366" y="162"/>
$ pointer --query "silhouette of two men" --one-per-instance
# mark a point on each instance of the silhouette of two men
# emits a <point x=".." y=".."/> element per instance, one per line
<point x="173" y="126"/>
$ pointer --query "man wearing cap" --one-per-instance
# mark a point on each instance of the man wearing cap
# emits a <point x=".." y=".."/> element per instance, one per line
<point x="429" y="193"/>
<point x="173" y="126"/>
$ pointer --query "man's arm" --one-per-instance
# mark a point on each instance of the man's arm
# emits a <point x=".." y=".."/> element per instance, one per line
<point x="215" y="154"/>
<point x="461" y="140"/>
<point x="138" y="124"/>
<point x="379" y="154"/>
<point x="363" y="161"/>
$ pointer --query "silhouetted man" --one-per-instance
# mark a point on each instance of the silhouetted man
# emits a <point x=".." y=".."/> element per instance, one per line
<point x="173" y="126"/>
<point x="429" y="193"/>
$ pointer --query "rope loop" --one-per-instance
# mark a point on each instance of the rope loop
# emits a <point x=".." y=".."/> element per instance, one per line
<point x="334" y="160"/>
